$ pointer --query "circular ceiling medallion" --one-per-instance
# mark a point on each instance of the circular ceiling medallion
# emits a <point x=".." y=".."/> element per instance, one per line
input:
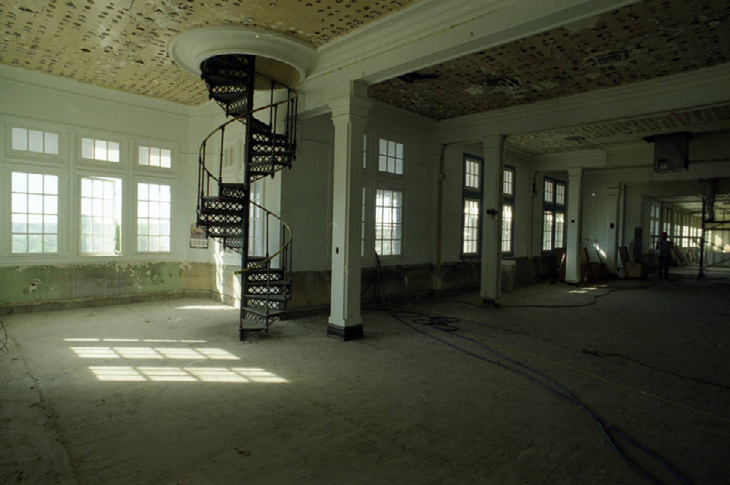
<point x="281" y="58"/>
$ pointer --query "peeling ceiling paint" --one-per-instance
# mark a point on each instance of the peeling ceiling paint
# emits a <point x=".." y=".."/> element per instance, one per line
<point x="602" y="135"/>
<point x="643" y="41"/>
<point x="123" y="44"/>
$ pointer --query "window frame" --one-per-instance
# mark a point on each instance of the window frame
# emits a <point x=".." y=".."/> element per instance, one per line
<point x="509" y="199"/>
<point x="392" y="188"/>
<point x="554" y="208"/>
<point x="92" y="164"/>
<point x="80" y="175"/>
<point x="60" y="213"/>
<point x="36" y="158"/>
<point x="471" y="194"/>
<point x="397" y="141"/>
<point x="134" y="234"/>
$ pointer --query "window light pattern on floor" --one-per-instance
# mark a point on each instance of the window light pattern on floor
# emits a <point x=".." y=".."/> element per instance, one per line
<point x="153" y="353"/>
<point x="156" y="340"/>
<point x="186" y="374"/>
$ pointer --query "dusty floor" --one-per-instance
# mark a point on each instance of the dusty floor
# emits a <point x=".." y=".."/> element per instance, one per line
<point x="162" y="393"/>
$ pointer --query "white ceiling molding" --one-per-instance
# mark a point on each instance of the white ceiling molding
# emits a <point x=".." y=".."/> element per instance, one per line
<point x="566" y="160"/>
<point x="28" y="79"/>
<point x="703" y="87"/>
<point x="191" y="48"/>
<point x="433" y="31"/>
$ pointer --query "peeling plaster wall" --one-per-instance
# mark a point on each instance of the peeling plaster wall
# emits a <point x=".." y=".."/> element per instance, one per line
<point x="25" y="287"/>
<point x="35" y="281"/>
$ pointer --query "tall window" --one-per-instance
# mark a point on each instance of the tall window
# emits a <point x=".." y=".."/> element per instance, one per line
<point x="35" y="141"/>
<point x="553" y="220"/>
<point x="34" y="213"/>
<point x="101" y="215"/>
<point x="654" y="213"/>
<point x="508" y="209"/>
<point x="471" y="227"/>
<point x="548" y="217"/>
<point x="390" y="157"/>
<point x="388" y="222"/>
<point x="362" y="223"/>
<point x="160" y="157"/>
<point x="667" y="222"/>
<point x="153" y="217"/>
<point x="472" y="207"/>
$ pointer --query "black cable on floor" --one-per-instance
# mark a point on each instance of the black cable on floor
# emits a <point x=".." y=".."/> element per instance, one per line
<point x="4" y="340"/>
<point x="595" y="353"/>
<point x="579" y="305"/>
<point x="446" y="324"/>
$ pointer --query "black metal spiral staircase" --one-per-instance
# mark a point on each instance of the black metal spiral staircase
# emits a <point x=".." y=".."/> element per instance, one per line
<point x="224" y="206"/>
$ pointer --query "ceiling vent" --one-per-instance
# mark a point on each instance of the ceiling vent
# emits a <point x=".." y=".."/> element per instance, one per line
<point x="671" y="151"/>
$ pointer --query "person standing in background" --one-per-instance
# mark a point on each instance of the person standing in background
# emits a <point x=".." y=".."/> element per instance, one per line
<point x="664" y="248"/>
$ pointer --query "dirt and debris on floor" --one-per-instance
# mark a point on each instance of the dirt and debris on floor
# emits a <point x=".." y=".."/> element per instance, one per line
<point x="163" y="393"/>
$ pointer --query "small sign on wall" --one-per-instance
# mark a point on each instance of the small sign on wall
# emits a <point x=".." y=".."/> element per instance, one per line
<point x="198" y="238"/>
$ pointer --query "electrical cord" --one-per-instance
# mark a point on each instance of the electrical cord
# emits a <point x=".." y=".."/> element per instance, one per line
<point x="447" y="325"/>
<point x="4" y="341"/>
<point x="595" y="353"/>
<point x="592" y="302"/>
<point x="598" y="353"/>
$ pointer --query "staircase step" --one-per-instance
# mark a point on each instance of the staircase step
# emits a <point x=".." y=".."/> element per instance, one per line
<point x="263" y="313"/>
<point x="221" y="224"/>
<point x="265" y="270"/>
<point x="255" y="165"/>
<point x="268" y="297"/>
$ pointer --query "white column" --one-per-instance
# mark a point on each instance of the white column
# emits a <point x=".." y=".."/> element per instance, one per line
<point x="349" y="117"/>
<point x="572" y="258"/>
<point x="492" y="219"/>
<point x="612" y="195"/>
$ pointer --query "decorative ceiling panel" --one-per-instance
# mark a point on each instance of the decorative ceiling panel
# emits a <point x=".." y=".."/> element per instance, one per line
<point x="600" y="135"/>
<point x="643" y="41"/>
<point x="123" y="44"/>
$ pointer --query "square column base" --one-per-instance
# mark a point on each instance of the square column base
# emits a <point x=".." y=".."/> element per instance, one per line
<point x="345" y="334"/>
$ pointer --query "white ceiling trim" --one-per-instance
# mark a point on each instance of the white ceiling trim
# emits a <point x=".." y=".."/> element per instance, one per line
<point x="434" y="31"/>
<point x="191" y="48"/>
<point x="704" y="87"/>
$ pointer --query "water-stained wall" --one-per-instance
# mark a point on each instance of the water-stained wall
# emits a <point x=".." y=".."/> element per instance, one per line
<point x="25" y="288"/>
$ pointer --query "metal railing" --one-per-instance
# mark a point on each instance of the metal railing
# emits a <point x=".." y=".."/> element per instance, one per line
<point x="205" y="175"/>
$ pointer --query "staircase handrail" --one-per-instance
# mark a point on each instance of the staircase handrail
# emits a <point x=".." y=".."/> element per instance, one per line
<point x="267" y="259"/>
<point x="201" y="160"/>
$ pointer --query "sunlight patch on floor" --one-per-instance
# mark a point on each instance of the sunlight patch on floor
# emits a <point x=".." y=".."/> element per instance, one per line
<point x="174" y="353"/>
<point x="185" y="374"/>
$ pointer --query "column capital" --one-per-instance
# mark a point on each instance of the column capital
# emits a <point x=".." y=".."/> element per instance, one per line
<point x="492" y="141"/>
<point x="575" y="172"/>
<point x="355" y="105"/>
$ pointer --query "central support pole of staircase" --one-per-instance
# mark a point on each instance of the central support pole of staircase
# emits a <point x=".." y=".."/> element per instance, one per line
<point x="349" y="117"/>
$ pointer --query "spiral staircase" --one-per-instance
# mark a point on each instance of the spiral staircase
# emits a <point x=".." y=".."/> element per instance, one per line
<point x="224" y="206"/>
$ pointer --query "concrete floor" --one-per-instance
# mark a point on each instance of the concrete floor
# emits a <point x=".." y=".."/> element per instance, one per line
<point x="162" y="393"/>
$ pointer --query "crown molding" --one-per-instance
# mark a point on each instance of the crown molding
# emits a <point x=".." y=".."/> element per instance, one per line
<point x="66" y="86"/>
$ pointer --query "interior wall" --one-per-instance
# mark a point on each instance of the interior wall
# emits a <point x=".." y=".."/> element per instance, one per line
<point x="38" y="102"/>
<point x="632" y="185"/>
